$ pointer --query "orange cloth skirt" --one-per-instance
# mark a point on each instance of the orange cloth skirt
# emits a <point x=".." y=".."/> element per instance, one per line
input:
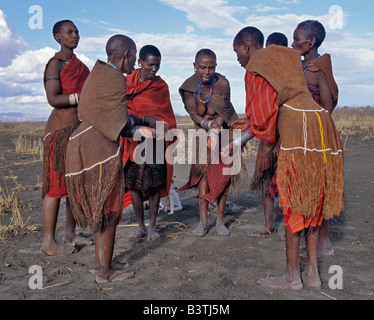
<point x="297" y="222"/>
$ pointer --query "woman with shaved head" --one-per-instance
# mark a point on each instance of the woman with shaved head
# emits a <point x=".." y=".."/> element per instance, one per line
<point x="94" y="171"/>
<point x="64" y="77"/>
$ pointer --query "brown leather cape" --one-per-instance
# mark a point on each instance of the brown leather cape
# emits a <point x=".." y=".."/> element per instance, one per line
<point x="311" y="152"/>
<point x="94" y="165"/>
<point x="219" y="103"/>
<point x="324" y="64"/>
<point x="219" y="183"/>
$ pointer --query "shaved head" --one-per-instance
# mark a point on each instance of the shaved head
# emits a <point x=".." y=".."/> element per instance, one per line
<point x="121" y="51"/>
<point x="119" y="43"/>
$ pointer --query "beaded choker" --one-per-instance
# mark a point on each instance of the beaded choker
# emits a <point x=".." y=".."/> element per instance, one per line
<point x="210" y="91"/>
<point x="112" y="65"/>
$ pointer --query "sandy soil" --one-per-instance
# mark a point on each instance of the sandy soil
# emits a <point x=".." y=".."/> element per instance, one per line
<point x="181" y="266"/>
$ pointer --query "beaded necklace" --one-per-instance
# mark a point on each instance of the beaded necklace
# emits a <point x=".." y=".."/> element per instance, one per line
<point x="111" y="64"/>
<point x="316" y="57"/>
<point x="210" y="91"/>
<point x="67" y="60"/>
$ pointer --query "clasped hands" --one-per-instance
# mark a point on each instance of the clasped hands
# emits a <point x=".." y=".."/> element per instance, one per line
<point x="148" y="128"/>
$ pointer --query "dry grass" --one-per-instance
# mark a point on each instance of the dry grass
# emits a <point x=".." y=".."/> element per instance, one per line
<point x="355" y="122"/>
<point x="11" y="209"/>
<point x="27" y="145"/>
<point x="23" y="127"/>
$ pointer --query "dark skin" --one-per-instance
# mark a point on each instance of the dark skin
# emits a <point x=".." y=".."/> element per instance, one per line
<point x="121" y="52"/>
<point x="291" y="279"/>
<point x="68" y="38"/>
<point x="243" y="51"/>
<point x="309" y="51"/>
<point x="149" y="68"/>
<point x="205" y="67"/>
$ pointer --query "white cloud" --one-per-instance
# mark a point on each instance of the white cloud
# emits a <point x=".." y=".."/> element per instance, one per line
<point x="34" y="103"/>
<point x="289" y="1"/>
<point x="27" y="67"/>
<point x="190" y="29"/>
<point x="209" y="14"/>
<point x="262" y="8"/>
<point x="352" y="55"/>
<point x="10" y="42"/>
<point x="21" y="77"/>
<point x="178" y="53"/>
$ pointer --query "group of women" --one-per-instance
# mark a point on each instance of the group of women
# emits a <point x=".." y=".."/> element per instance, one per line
<point x="206" y="96"/>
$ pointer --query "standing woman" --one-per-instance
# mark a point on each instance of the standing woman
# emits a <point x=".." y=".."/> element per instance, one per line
<point x="310" y="166"/>
<point x="308" y="36"/>
<point x="64" y="77"/>
<point x="149" y="99"/>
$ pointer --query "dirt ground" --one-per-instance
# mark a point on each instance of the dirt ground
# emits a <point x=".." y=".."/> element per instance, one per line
<point x="181" y="266"/>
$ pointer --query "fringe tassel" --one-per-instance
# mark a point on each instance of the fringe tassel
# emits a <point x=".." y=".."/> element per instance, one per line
<point x="265" y="167"/>
<point x="61" y="139"/>
<point x="302" y="176"/>
<point x="90" y="191"/>
<point x="236" y="180"/>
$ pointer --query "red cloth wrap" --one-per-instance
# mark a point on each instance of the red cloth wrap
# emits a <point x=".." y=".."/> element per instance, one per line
<point x="72" y="79"/>
<point x="148" y="98"/>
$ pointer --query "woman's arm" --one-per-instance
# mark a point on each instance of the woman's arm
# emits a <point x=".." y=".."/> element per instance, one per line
<point x="55" y="97"/>
<point x="326" y="98"/>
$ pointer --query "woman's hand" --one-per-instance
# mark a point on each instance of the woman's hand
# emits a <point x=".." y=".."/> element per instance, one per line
<point x="241" y="124"/>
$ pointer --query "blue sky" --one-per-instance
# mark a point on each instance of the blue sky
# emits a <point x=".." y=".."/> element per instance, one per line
<point x="179" y="29"/>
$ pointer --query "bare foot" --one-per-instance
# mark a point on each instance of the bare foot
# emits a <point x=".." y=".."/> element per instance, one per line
<point x="65" y="249"/>
<point x="280" y="282"/>
<point x="114" y="276"/>
<point x="222" y="230"/>
<point x="261" y="233"/>
<point x="115" y="266"/>
<point x="311" y="280"/>
<point x="153" y="234"/>
<point x="82" y="241"/>
<point x="200" y="231"/>
<point x="324" y="247"/>
<point x="140" y="233"/>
